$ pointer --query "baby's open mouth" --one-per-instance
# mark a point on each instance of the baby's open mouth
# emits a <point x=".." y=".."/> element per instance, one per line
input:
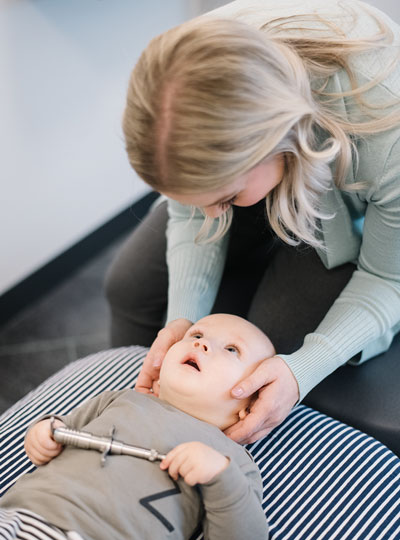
<point x="191" y="362"/>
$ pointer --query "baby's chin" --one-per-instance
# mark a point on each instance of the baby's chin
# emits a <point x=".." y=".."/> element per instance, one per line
<point x="206" y="414"/>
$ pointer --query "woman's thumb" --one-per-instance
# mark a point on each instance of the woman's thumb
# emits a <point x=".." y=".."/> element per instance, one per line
<point x="248" y="386"/>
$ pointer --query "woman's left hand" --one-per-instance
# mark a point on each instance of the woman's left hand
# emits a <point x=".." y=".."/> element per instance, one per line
<point x="278" y="393"/>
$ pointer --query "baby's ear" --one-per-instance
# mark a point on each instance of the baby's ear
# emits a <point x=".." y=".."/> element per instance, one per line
<point x="244" y="412"/>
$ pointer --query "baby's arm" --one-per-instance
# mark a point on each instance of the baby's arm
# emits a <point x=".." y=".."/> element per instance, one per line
<point x="231" y="494"/>
<point x="196" y="462"/>
<point x="233" y="504"/>
<point x="39" y="444"/>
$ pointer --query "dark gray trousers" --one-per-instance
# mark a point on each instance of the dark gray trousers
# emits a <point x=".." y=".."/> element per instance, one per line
<point x="285" y="291"/>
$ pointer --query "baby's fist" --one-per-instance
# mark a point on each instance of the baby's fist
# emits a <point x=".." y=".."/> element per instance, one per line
<point x="40" y="446"/>
<point x="196" y="462"/>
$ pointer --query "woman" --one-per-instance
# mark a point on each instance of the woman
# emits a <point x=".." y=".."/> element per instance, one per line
<point x="294" y="109"/>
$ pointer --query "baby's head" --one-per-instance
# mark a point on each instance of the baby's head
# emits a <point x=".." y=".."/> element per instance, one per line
<point x="199" y="371"/>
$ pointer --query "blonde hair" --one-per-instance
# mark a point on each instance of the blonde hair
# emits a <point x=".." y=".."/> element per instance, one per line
<point x="212" y="98"/>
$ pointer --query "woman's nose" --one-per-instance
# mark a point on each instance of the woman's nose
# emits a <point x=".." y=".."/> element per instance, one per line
<point x="202" y="344"/>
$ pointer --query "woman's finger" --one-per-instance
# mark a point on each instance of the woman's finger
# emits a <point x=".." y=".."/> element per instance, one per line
<point x="260" y="377"/>
<point x="150" y="372"/>
<point x="159" y="349"/>
<point x="144" y="383"/>
<point x="244" y="429"/>
<point x="257" y="436"/>
<point x="267" y="411"/>
<point x="156" y="387"/>
<point x="166" y="337"/>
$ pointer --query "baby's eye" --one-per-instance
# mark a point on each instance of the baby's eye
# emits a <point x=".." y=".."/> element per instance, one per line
<point x="197" y="335"/>
<point x="232" y="348"/>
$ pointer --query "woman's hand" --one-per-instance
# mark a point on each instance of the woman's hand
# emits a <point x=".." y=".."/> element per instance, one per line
<point x="40" y="446"/>
<point x="196" y="462"/>
<point x="278" y="392"/>
<point x="147" y="381"/>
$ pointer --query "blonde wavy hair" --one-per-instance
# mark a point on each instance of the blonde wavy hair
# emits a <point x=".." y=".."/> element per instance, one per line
<point x="212" y="98"/>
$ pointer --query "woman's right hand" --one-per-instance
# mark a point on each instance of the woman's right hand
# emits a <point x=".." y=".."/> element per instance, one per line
<point x="147" y="381"/>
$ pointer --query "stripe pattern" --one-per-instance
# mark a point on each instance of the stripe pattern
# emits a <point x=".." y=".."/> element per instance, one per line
<point x="322" y="480"/>
<point x="23" y="524"/>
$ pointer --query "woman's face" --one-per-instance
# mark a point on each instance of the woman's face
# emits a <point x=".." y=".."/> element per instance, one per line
<point x="246" y="190"/>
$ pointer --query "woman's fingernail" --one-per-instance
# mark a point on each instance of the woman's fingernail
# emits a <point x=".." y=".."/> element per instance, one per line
<point x="157" y="362"/>
<point x="237" y="392"/>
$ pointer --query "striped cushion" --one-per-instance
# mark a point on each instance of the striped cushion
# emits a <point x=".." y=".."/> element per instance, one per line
<point x="322" y="479"/>
<point x="23" y="524"/>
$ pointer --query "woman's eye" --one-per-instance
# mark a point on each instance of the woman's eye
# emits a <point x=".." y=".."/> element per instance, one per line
<point x="225" y="204"/>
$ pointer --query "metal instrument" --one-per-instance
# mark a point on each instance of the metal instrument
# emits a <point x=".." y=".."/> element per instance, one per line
<point x="105" y="445"/>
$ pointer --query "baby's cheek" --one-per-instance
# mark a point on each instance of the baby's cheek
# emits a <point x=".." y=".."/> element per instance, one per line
<point x="227" y="379"/>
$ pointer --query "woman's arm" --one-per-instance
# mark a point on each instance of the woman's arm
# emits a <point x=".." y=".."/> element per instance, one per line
<point x="194" y="270"/>
<point x="366" y="315"/>
<point x="194" y="275"/>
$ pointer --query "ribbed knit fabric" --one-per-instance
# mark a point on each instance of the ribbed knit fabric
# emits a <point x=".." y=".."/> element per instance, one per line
<point x="194" y="271"/>
<point x="357" y="318"/>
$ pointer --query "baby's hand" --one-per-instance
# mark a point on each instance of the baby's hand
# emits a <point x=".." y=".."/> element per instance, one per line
<point x="196" y="462"/>
<point x="40" y="446"/>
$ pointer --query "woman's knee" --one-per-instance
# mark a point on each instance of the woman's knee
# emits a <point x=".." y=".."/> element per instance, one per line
<point x="295" y="294"/>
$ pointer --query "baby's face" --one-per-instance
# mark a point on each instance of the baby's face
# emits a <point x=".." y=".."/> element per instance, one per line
<point x="199" y="371"/>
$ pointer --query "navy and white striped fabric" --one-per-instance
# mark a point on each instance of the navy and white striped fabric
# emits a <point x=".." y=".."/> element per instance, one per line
<point x="322" y="479"/>
<point x="21" y="524"/>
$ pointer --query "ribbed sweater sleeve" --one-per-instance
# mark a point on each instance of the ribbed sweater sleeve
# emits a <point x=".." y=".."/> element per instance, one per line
<point x="194" y="270"/>
<point x="368" y="309"/>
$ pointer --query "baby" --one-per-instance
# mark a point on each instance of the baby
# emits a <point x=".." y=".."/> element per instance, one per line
<point x="212" y="482"/>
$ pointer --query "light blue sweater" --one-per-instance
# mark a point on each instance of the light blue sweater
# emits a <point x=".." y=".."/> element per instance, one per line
<point x="365" y="228"/>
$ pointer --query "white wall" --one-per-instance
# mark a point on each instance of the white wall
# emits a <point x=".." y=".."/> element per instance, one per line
<point x="64" y="67"/>
<point x="391" y="7"/>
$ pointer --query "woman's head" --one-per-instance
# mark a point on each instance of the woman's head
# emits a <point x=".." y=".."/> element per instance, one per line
<point x="245" y="190"/>
<point x="208" y="101"/>
<point x="211" y="100"/>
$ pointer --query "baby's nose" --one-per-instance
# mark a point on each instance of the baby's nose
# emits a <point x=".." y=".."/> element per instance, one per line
<point x="202" y="345"/>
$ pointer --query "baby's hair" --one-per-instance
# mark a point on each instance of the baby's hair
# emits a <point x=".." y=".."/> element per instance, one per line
<point x="213" y="98"/>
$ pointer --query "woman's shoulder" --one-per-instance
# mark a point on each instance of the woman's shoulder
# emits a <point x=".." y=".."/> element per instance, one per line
<point x="352" y="19"/>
